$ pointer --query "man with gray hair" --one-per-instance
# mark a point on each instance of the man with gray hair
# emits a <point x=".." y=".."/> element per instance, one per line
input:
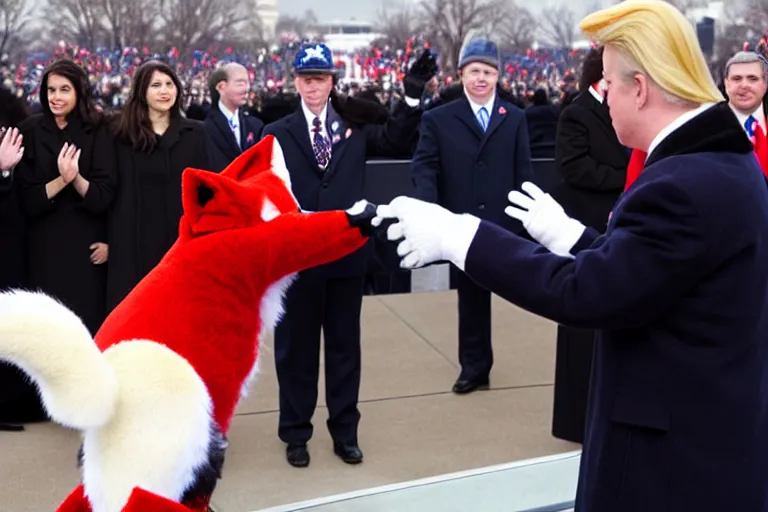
<point x="230" y="131"/>
<point x="745" y="86"/>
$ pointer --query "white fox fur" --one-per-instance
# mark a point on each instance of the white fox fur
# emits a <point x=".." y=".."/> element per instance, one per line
<point x="145" y="414"/>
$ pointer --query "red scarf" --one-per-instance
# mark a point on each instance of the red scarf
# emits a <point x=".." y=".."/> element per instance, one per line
<point x="599" y="90"/>
<point x="635" y="167"/>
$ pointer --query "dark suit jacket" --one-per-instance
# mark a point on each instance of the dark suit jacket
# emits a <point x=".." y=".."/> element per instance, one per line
<point x="222" y="144"/>
<point x="678" y="414"/>
<point x="542" y="128"/>
<point x="467" y="170"/>
<point x="590" y="160"/>
<point x="148" y="202"/>
<point x="343" y="182"/>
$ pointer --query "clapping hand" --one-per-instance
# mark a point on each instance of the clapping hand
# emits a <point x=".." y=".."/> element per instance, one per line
<point x="427" y="232"/>
<point x="544" y="219"/>
<point x="68" y="163"/>
<point x="11" y="149"/>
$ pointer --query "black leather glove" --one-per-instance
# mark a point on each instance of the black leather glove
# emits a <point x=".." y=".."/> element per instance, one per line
<point x="361" y="215"/>
<point x="420" y="73"/>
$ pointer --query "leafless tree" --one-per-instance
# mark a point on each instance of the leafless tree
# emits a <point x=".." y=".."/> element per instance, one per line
<point x="558" y="25"/>
<point x="452" y="20"/>
<point x="684" y="6"/>
<point x="79" y="21"/>
<point x="517" y="29"/>
<point x="14" y="17"/>
<point x="188" y="24"/>
<point x="129" y="23"/>
<point x="298" y="26"/>
<point x="398" y="23"/>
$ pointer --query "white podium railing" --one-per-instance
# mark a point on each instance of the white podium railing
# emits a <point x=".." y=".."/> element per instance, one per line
<point x="546" y="484"/>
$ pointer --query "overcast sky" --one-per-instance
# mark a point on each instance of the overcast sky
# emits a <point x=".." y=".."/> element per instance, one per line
<point x="343" y="10"/>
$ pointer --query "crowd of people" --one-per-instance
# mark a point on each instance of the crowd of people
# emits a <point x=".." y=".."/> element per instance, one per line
<point x="377" y="71"/>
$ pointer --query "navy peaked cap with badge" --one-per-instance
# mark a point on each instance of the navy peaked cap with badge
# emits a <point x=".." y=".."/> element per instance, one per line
<point x="314" y="59"/>
<point x="479" y="48"/>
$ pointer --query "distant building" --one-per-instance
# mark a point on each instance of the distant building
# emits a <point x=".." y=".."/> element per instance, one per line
<point x="267" y="11"/>
<point x="347" y="36"/>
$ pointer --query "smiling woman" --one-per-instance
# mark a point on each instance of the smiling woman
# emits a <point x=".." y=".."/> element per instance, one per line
<point x="154" y="143"/>
<point x="66" y="183"/>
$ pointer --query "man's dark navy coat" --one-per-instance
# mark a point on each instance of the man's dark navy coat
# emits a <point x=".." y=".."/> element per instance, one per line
<point x="467" y="170"/>
<point x="223" y="147"/>
<point x="678" y="287"/>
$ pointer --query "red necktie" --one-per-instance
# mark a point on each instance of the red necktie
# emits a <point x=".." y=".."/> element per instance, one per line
<point x="761" y="146"/>
<point x="635" y="167"/>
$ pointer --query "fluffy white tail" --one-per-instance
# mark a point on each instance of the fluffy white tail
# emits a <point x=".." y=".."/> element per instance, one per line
<point x="52" y="345"/>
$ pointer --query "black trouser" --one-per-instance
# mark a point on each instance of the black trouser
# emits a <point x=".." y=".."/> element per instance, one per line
<point x="334" y="305"/>
<point x="475" y="350"/>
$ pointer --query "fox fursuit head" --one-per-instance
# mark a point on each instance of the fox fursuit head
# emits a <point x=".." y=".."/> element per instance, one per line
<point x="155" y="392"/>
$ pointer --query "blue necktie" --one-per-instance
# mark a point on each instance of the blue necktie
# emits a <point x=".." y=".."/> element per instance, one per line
<point x="233" y="126"/>
<point x="482" y="117"/>
<point x="750" y="125"/>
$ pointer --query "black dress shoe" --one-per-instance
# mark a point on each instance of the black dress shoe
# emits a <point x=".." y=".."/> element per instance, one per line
<point x="348" y="452"/>
<point x="297" y="455"/>
<point x="464" y="386"/>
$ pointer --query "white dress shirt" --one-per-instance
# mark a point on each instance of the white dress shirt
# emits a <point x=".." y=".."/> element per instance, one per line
<point x="758" y="114"/>
<point x="476" y="107"/>
<point x="233" y="119"/>
<point x="674" y="125"/>
<point x="310" y="117"/>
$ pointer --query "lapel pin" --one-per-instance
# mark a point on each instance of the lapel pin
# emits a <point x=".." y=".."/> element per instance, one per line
<point x="502" y="110"/>
<point x="335" y="126"/>
<point x="348" y="133"/>
<point x="336" y="138"/>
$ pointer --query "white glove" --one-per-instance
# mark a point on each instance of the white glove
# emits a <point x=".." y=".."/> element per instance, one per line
<point x="544" y="219"/>
<point x="429" y="232"/>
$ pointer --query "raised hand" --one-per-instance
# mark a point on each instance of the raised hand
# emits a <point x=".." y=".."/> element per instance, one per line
<point x="544" y="219"/>
<point x="421" y="72"/>
<point x="11" y="149"/>
<point x="68" y="163"/>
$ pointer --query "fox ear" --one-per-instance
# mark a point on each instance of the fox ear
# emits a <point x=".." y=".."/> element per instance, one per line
<point x="207" y="201"/>
<point x="266" y="156"/>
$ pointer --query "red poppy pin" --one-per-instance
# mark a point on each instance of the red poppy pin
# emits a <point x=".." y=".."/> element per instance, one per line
<point x="502" y="110"/>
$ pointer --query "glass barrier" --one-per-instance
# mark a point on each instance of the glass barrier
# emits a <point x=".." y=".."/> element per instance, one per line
<point x="546" y="484"/>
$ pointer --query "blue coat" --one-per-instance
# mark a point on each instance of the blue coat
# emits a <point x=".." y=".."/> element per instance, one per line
<point x="678" y="288"/>
<point x="343" y="182"/>
<point x="466" y="170"/>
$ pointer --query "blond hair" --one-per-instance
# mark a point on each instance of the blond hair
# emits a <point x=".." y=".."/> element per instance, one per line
<point x="658" y="41"/>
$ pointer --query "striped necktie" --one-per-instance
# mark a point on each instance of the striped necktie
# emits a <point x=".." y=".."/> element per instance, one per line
<point x="482" y="118"/>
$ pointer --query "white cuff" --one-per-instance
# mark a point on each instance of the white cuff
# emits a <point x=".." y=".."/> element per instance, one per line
<point x="463" y="232"/>
<point x="412" y="102"/>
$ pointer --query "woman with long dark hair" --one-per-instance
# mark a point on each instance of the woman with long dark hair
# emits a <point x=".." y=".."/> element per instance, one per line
<point x="154" y="144"/>
<point x="65" y="182"/>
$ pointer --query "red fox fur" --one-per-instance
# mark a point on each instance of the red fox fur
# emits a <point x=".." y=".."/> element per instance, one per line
<point x="155" y="394"/>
